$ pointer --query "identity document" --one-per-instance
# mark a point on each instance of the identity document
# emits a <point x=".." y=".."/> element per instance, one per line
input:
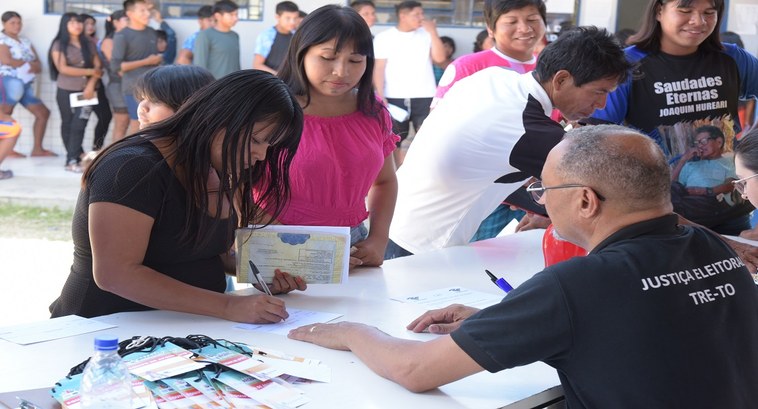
<point x="320" y="255"/>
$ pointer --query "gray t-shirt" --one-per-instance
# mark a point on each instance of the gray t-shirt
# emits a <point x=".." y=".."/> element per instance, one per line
<point x="132" y="45"/>
<point x="74" y="58"/>
<point x="217" y="51"/>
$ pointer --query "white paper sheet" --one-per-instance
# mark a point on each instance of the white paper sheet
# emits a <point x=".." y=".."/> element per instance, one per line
<point x="77" y="100"/>
<point x="443" y="297"/>
<point x="55" y="328"/>
<point x="297" y="318"/>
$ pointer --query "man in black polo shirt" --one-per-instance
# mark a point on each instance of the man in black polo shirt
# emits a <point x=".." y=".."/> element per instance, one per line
<point x="658" y="315"/>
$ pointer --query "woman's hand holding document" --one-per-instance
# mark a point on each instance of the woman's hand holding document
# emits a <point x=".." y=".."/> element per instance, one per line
<point x="316" y="254"/>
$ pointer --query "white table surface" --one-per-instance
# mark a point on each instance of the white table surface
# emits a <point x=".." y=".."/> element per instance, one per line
<point x="365" y="298"/>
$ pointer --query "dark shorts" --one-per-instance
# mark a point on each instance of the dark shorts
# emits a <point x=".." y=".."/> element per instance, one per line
<point x="116" y="97"/>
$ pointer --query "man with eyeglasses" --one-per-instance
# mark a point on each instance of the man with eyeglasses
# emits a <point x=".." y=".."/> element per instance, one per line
<point x="657" y="315"/>
<point x="701" y="188"/>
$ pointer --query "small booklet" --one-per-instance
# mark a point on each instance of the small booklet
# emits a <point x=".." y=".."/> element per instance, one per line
<point x="318" y="254"/>
<point x="77" y="100"/>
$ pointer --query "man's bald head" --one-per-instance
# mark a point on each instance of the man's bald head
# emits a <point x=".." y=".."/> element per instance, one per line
<point x="626" y="167"/>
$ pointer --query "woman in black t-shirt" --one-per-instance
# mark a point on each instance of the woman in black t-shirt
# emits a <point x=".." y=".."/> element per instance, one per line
<point x="157" y="211"/>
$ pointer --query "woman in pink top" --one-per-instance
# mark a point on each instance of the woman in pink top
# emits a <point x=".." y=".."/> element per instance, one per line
<point x="517" y="27"/>
<point x="345" y="150"/>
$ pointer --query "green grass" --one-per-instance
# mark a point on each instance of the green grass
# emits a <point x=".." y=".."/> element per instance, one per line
<point x="30" y="222"/>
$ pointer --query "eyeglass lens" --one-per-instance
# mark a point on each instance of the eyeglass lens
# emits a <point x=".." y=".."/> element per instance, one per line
<point x="538" y="192"/>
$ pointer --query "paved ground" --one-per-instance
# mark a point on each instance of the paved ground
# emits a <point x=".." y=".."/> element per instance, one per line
<point x="33" y="271"/>
<point x="39" y="181"/>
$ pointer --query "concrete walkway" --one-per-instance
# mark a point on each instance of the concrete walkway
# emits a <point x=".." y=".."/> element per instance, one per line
<point x="39" y="182"/>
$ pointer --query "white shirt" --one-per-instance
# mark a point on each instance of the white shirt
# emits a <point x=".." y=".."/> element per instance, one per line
<point x="408" y="72"/>
<point x="494" y="124"/>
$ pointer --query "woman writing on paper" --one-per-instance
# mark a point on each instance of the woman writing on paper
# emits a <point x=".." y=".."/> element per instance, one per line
<point x="157" y="211"/>
<point x="75" y="68"/>
<point x="346" y="150"/>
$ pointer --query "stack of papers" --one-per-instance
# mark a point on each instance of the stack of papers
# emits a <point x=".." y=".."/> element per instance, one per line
<point x="172" y="377"/>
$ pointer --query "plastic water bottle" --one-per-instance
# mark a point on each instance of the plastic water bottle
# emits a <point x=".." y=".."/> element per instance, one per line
<point x="106" y="383"/>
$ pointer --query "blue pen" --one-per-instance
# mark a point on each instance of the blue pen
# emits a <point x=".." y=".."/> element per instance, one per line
<point x="500" y="282"/>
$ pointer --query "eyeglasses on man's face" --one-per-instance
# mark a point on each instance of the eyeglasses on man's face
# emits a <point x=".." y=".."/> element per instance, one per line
<point x="537" y="190"/>
<point x="703" y="141"/>
<point x="739" y="185"/>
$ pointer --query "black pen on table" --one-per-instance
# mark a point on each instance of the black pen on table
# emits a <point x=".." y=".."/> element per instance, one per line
<point x="500" y="282"/>
<point x="259" y="277"/>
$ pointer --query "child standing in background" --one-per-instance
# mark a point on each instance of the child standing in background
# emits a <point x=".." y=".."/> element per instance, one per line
<point x="135" y="51"/>
<point x="271" y="45"/>
<point x="204" y="21"/>
<point x="217" y="48"/>
<point x="345" y="151"/>
<point x="449" y="45"/>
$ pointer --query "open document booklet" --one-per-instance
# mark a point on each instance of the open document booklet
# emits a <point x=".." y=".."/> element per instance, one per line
<point x="318" y="254"/>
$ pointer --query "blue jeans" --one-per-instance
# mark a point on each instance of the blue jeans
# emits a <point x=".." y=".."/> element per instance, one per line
<point x="14" y="91"/>
<point x="358" y="233"/>
<point x="395" y="251"/>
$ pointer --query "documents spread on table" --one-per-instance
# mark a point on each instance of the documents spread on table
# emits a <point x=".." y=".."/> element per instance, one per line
<point x="220" y="373"/>
<point x="297" y="318"/>
<point x="443" y="297"/>
<point x="318" y="254"/>
<point x="55" y="328"/>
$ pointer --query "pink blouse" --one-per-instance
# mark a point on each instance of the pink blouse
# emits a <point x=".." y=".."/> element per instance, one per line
<point x="336" y="164"/>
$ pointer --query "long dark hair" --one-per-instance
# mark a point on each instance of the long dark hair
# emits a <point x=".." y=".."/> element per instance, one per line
<point x="328" y="23"/>
<point x="64" y="39"/>
<point x="110" y="29"/>
<point x="227" y="108"/>
<point x="171" y="85"/>
<point x="648" y="37"/>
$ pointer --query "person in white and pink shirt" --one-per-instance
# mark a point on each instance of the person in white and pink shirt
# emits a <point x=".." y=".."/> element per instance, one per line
<point x="517" y="27"/>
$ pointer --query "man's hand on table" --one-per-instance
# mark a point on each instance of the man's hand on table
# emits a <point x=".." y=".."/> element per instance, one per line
<point x="442" y="321"/>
